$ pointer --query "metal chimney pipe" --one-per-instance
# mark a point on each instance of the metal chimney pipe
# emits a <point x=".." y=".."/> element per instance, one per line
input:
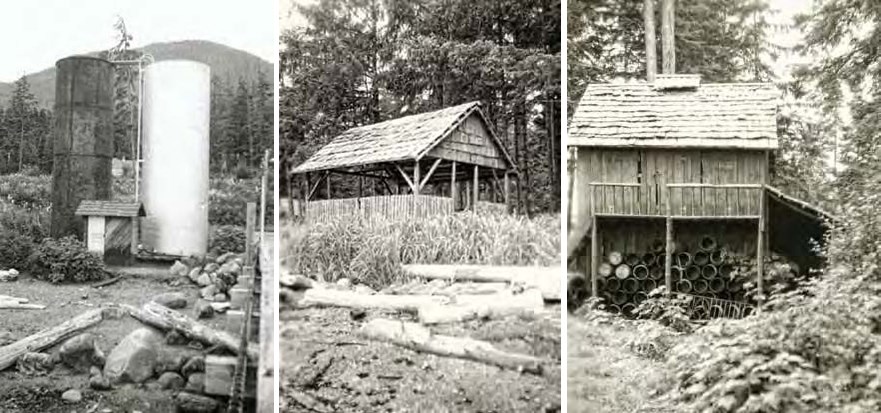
<point x="668" y="47"/>
<point x="651" y="49"/>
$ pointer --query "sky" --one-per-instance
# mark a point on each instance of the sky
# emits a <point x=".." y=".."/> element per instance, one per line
<point x="36" y="33"/>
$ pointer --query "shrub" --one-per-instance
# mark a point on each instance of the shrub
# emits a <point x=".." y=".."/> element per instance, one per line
<point x="15" y="249"/>
<point x="226" y="238"/>
<point x="26" y="190"/>
<point x="229" y="197"/>
<point x="372" y="253"/>
<point x="666" y="309"/>
<point x="65" y="260"/>
<point x="28" y="221"/>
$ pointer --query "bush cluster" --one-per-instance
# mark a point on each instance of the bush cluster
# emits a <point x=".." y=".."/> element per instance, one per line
<point x="65" y="260"/>
<point x="226" y="238"/>
<point x="228" y="199"/>
<point x="372" y="253"/>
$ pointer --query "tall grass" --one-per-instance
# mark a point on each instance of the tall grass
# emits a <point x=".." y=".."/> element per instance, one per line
<point x="372" y="253"/>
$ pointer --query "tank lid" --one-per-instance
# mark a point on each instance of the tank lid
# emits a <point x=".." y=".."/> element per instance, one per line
<point x="83" y="57"/>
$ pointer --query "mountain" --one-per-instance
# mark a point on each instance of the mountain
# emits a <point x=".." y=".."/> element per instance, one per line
<point x="228" y="63"/>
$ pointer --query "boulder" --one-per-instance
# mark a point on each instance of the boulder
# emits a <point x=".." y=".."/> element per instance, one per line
<point x="220" y="298"/>
<point x="8" y="275"/>
<point x="225" y="257"/>
<point x="99" y="382"/>
<point x="35" y="363"/>
<point x="81" y="352"/>
<point x="175" y="300"/>
<point x="174" y="337"/>
<point x="195" y="383"/>
<point x="195" y="403"/>
<point x="195" y="364"/>
<point x="212" y="267"/>
<point x="134" y="358"/>
<point x="179" y="268"/>
<point x="194" y="274"/>
<point x="208" y="292"/>
<point x="344" y="283"/>
<point x="72" y="396"/>
<point x="204" y="279"/>
<point x="171" y="381"/>
<point x="170" y="360"/>
<point x="203" y="310"/>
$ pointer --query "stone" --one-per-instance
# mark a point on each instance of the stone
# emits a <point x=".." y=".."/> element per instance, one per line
<point x="174" y="337"/>
<point x="179" y="268"/>
<point x="220" y="298"/>
<point x="204" y="280"/>
<point x="212" y="267"/>
<point x="208" y="292"/>
<point x="8" y="275"/>
<point x="344" y="283"/>
<point x="35" y="363"/>
<point x="195" y="403"/>
<point x="195" y="364"/>
<point x="72" y="396"/>
<point x="225" y="257"/>
<point x="195" y="383"/>
<point x="170" y="360"/>
<point x="203" y="310"/>
<point x="134" y="358"/>
<point x="194" y="274"/>
<point x="81" y="352"/>
<point x="99" y="382"/>
<point x="174" y="300"/>
<point x="153" y="386"/>
<point x="171" y="381"/>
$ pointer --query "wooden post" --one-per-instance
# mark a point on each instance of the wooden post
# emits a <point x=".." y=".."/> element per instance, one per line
<point x="668" y="44"/>
<point x="476" y="188"/>
<point x="417" y="187"/>
<point x="651" y="51"/>
<point x="453" y="185"/>
<point x="250" y="217"/>
<point x="135" y="234"/>
<point x="327" y="181"/>
<point x="594" y="247"/>
<point x="668" y="250"/>
<point x="507" y="192"/>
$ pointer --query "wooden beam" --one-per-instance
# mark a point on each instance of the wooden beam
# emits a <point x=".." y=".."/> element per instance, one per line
<point x="428" y="175"/>
<point x="406" y="178"/>
<point x="651" y="51"/>
<point x="668" y="39"/>
<point x="507" y="189"/>
<point x="416" y="180"/>
<point x="476" y="186"/>
<point x="250" y="218"/>
<point x="9" y="354"/>
<point x="668" y="248"/>
<point x="453" y="185"/>
<point x="317" y="184"/>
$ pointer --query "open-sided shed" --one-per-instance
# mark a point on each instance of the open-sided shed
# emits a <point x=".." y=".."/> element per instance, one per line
<point x="430" y="163"/>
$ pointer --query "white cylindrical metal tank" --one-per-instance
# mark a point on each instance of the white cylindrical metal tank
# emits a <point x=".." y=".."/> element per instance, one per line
<point x="174" y="177"/>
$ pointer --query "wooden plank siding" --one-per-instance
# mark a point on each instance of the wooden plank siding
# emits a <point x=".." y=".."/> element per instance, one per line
<point x="470" y="143"/>
<point x="647" y="172"/>
<point x="629" y="235"/>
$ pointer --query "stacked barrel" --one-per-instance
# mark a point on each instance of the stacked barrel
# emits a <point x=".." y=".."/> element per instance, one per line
<point x="624" y="280"/>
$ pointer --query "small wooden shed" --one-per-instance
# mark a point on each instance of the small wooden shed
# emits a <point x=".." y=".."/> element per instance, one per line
<point x="426" y="164"/>
<point x="664" y="164"/>
<point x="111" y="225"/>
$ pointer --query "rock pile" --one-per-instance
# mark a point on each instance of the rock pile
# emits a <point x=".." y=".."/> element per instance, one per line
<point x="214" y="276"/>
<point x="8" y="275"/>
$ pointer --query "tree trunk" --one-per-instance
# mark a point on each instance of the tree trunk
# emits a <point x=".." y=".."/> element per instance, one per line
<point x="418" y="338"/>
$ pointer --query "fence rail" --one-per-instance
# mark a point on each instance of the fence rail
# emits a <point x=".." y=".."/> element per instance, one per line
<point x="378" y="207"/>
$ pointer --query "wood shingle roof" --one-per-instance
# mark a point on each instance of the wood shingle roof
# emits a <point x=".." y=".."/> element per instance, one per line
<point x="408" y="137"/>
<point x="721" y="115"/>
<point x="110" y="209"/>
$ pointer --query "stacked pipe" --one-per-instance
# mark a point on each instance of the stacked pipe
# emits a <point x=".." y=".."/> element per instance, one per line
<point x="624" y="280"/>
<point x="708" y="270"/>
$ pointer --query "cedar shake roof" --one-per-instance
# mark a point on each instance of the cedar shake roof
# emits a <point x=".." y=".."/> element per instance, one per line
<point x="110" y="209"/>
<point x="405" y="138"/>
<point x="677" y="112"/>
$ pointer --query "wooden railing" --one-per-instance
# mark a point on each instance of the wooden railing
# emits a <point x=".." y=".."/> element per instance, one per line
<point x="679" y="200"/>
<point x="715" y="200"/>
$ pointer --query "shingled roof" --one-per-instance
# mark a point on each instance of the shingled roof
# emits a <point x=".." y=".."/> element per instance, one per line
<point x="721" y="115"/>
<point x="408" y="137"/>
<point x="110" y="209"/>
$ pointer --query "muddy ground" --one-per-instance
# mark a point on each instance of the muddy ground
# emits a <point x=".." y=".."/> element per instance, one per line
<point x="322" y="356"/>
<point x="42" y="393"/>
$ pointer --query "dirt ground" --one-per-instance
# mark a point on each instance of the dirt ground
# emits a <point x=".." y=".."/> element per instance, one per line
<point x="322" y="356"/>
<point x="24" y="393"/>
<point x="603" y="374"/>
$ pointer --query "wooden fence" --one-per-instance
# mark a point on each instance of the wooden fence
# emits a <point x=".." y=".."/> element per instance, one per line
<point x="387" y="207"/>
<point x="682" y="199"/>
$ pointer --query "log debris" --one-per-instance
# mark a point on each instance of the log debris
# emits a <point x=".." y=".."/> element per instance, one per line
<point x="548" y="279"/>
<point x="167" y="319"/>
<point x="418" y="338"/>
<point x="9" y="354"/>
<point x="322" y="297"/>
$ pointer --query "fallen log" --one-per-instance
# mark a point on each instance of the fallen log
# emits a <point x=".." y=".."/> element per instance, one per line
<point x="295" y="281"/>
<point x="46" y="338"/>
<point x="321" y="297"/>
<point x="13" y="305"/>
<point x="107" y="282"/>
<point x="483" y="307"/>
<point x="166" y="319"/>
<point x="416" y="337"/>
<point x="19" y="300"/>
<point x="548" y="279"/>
